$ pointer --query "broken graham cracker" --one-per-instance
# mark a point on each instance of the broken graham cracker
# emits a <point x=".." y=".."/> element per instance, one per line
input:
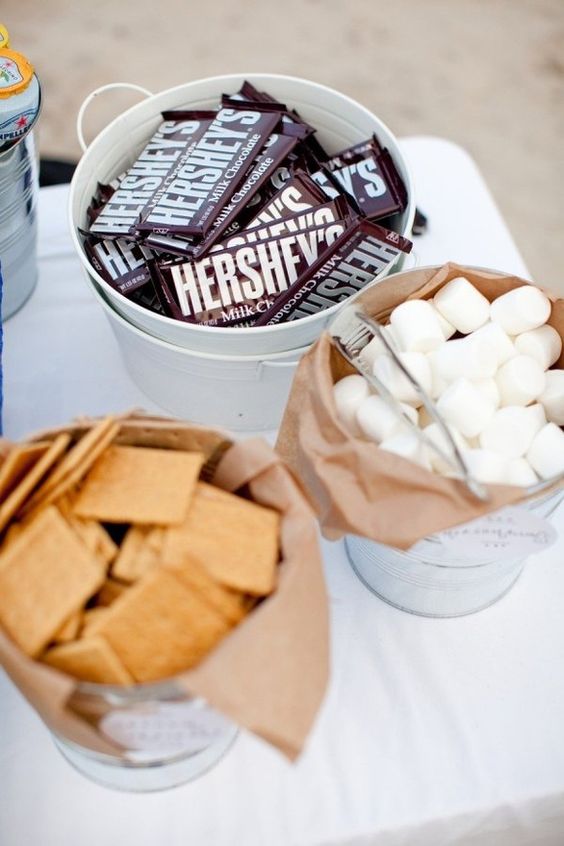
<point x="231" y="604"/>
<point x="237" y="541"/>
<point x="109" y="592"/>
<point x="70" y="629"/>
<point x="90" y="659"/>
<point x="90" y="532"/>
<point x="76" y="464"/>
<point x="139" y="552"/>
<point x="27" y="485"/>
<point x="159" y="627"/>
<point x="140" y="485"/>
<point x="46" y="575"/>
<point x="88" y="617"/>
<point x="17" y="463"/>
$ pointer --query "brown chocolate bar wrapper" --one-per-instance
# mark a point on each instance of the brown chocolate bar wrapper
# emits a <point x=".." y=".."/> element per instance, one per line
<point x="373" y="182"/>
<point x="356" y="487"/>
<point x="354" y="154"/>
<point x="208" y="173"/>
<point x="146" y="176"/>
<point x="123" y="264"/>
<point x="353" y="261"/>
<point x="298" y="194"/>
<point x="312" y="218"/>
<point x="236" y="285"/>
<point x="270" y="673"/>
<point x="276" y="149"/>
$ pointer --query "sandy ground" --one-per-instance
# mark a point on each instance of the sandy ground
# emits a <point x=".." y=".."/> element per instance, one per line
<point x="488" y="74"/>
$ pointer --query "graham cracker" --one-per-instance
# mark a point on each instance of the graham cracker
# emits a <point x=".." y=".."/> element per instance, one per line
<point x="138" y="553"/>
<point x="237" y="541"/>
<point x="17" y="463"/>
<point x="90" y="659"/>
<point x="70" y="629"/>
<point x="231" y="604"/>
<point x="14" y="501"/>
<point x="140" y="485"/>
<point x="75" y="464"/>
<point x="160" y="627"/>
<point x="46" y="575"/>
<point x="89" y="616"/>
<point x="91" y="533"/>
<point x="110" y="591"/>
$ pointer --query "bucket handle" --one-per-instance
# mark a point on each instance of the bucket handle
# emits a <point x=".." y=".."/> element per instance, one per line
<point x="101" y="90"/>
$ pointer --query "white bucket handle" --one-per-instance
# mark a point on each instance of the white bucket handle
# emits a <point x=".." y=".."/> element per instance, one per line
<point x="101" y="90"/>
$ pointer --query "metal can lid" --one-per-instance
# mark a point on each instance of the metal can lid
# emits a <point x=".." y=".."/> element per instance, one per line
<point x="15" y="73"/>
<point x="4" y="37"/>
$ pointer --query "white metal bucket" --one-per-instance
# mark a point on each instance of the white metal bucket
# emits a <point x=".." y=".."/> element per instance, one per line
<point x="430" y="584"/>
<point x="340" y="121"/>
<point x="234" y="392"/>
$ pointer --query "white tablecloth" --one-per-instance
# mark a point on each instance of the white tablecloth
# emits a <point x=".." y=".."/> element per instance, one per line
<point x="432" y="732"/>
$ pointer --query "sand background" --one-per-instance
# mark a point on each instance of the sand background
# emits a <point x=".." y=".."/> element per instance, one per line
<point x="488" y="74"/>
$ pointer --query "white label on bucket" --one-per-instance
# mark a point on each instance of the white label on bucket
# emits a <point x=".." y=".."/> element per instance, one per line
<point x="504" y="534"/>
<point x="165" y="728"/>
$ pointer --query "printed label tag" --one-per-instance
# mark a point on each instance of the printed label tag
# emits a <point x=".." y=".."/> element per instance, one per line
<point x="165" y="728"/>
<point x="508" y="533"/>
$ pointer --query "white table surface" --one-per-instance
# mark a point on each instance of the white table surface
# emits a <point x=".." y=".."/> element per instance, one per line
<point x="432" y="732"/>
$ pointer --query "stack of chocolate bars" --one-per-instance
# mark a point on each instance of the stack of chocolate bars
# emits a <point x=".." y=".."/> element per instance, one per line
<point x="238" y="217"/>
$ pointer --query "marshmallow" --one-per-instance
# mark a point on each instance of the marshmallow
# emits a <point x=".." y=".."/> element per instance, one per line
<point x="437" y="436"/>
<point x="520" y="473"/>
<point x="521" y="309"/>
<point x="486" y="466"/>
<point x="489" y="388"/>
<point x="462" y="304"/>
<point x="520" y="380"/>
<point x="376" y="347"/>
<point x="537" y="416"/>
<point x="503" y="344"/>
<point x="408" y="445"/>
<point x="511" y="430"/>
<point x="552" y="397"/>
<point x="546" y="454"/>
<point x="348" y="394"/>
<point x="465" y="407"/>
<point x="474" y="357"/>
<point x="397" y="383"/>
<point x="416" y="326"/>
<point x="438" y="383"/>
<point x="378" y="420"/>
<point x="448" y="328"/>
<point x="543" y="343"/>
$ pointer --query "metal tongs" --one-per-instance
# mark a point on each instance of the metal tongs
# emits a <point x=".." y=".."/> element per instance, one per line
<point x="350" y="332"/>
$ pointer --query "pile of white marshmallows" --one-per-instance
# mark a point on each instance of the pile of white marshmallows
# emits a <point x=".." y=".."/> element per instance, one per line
<point x="492" y="387"/>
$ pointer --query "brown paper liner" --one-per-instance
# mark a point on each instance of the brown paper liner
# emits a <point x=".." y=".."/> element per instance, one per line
<point x="269" y="675"/>
<point x="355" y="487"/>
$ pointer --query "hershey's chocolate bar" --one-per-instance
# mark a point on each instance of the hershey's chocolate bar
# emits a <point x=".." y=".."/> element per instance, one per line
<point x="146" y="176"/>
<point x="353" y="261"/>
<point x="373" y="182"/>
<point x="123" y="264"/>
<point x="311" y="219"/>
<point x="276" y="149"/>
<point x="227" y="288"/>
<point x="208" y="173"/>
<point x="354" y="154"/>
<point x="298" y="194"/>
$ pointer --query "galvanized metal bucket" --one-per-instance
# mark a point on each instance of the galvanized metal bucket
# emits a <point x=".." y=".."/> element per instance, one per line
<point x="19" y="186"/>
